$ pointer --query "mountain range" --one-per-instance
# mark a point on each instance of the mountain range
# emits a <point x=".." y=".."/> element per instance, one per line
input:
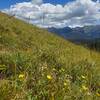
<point x="78" y="33"/>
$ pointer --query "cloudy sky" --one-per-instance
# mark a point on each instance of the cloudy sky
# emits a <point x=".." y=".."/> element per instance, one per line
<point x="54" y="13"/>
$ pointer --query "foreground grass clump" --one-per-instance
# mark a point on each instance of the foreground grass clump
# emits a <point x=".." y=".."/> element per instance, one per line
<point x="48" y="79"/>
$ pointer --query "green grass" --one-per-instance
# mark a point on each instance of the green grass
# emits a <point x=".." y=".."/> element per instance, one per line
<point x="38" y="65"/>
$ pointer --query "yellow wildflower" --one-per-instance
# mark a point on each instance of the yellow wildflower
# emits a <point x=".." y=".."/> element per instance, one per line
<point x="21" y="76"/>
<point x="62" y="69"/>
<point x="65" y="84"/>
<point x="83" y="77"/>
<point x="54" y="69"/>
<point x="49" y="77"/>
<point x="84" y="87"/>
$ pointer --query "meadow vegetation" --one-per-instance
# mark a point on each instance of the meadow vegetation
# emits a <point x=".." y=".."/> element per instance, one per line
<point x="38" y="65"/>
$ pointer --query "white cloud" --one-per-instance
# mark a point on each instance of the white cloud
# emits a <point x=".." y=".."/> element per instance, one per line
<point x="76" y="13"/>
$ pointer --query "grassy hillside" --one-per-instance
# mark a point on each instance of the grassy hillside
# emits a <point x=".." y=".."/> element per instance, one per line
<point x="38" y="65"/>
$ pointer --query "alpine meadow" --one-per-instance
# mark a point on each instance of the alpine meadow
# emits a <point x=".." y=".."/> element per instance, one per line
<point x="38" y="64"/>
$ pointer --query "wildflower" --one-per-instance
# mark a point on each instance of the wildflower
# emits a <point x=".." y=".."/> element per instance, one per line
<point x="65" y="84"/>
<point x="54" y="69"/>
<point x="83" y="77"/>
<point x="84" y="87"/>
<point x="62" y="69"/>
<point x="49" y="77"/>
<point x="21" y="76"/>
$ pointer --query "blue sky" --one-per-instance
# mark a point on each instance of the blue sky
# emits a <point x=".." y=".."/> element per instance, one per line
<point x="58" y="1"/>
<point x="8" y="3"/>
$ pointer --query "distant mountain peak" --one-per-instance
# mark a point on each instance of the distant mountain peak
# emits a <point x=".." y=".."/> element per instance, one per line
<point x="86" y="32"/>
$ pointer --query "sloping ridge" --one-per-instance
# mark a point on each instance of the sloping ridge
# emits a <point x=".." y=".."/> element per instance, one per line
<point x="18" y="35"/>
<point x="15" y="33"/>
